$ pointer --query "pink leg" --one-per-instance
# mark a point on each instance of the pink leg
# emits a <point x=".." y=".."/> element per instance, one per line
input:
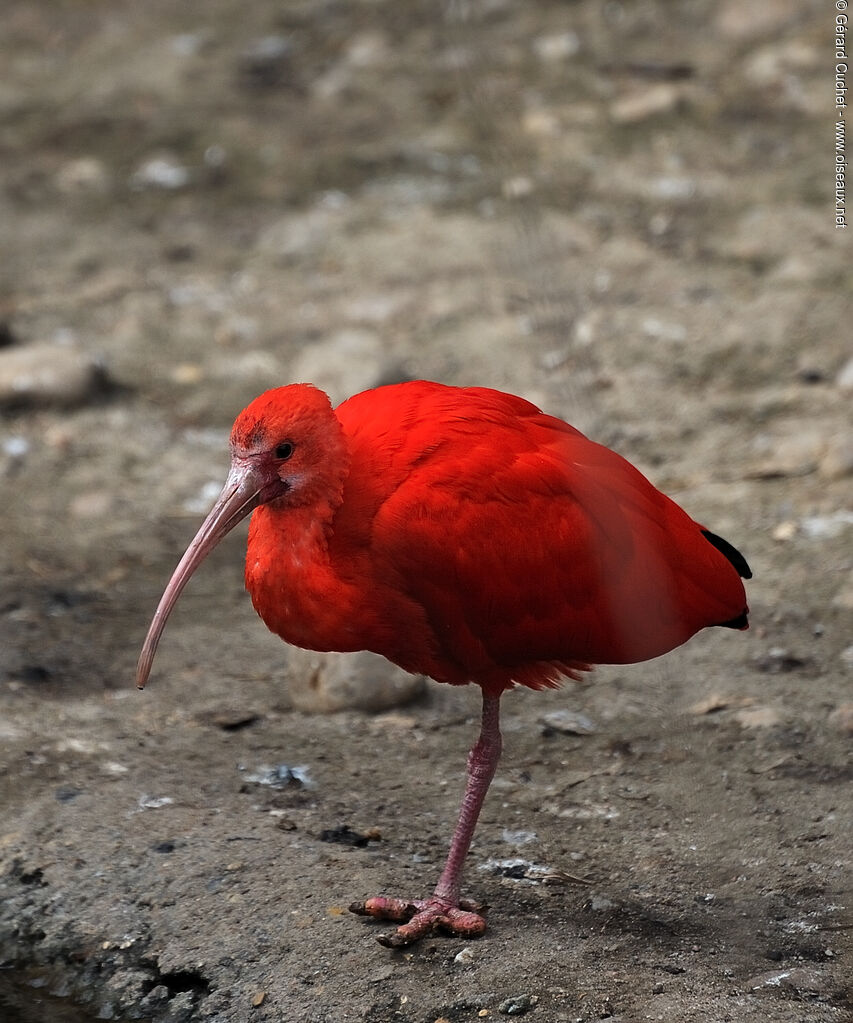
<point x="444" y="910"/>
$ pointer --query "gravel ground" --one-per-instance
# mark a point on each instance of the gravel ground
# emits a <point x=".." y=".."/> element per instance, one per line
<point x="622" y="212"/>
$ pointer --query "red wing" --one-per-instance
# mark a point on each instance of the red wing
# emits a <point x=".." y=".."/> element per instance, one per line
<point x="542" y="546"/>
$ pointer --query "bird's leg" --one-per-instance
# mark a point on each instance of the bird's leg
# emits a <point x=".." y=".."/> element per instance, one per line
<point x="444" y="910"/>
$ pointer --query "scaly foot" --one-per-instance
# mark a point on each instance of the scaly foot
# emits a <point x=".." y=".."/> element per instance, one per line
<point x="424" y="916"/>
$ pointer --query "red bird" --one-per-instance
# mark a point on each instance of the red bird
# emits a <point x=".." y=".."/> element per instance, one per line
<point x="465" y="535"/>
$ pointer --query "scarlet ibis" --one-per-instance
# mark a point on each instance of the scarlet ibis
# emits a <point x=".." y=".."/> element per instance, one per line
<point x="465" y="535"/>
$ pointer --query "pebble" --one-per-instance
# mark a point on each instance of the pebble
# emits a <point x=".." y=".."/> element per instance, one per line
<point x="556" y="47"/>
<point x="569" y="722"/>
<point x="518" y="1005"/>
<point x="786" y="457"/>
<point x="164" y="172"/>
<point x="826" y="527"/>
<point x="786" y="530"/>
<point x="266" y="62"/>
<point x="92" y="504"/>
<point x="327" y="682"/>
<point x="465" y="957"/>
<point x="844" y="598"/>
<point x="660" y="98"/>
<point x="837" y="459"/>
<point x="85" y="174"/>
<point x="844" y="380"/>
<point x="842" y="717"/>
<point x="744" y="21"/>
<point x="792" y="979"/>
<point x="757" y="717"/>
<point x="47" y="374"/>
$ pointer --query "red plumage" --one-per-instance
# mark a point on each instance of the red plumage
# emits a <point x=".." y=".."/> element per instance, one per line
<point x="463" y="534"/>
<point x="476" y="539"/>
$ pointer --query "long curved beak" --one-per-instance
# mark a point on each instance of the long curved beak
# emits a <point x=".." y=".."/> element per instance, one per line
<point x="240" y="496"/>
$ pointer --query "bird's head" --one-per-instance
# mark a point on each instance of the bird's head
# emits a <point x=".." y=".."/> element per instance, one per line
<point x="287" y="450"/>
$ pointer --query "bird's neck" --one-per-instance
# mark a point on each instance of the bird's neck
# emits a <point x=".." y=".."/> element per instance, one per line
<point x="291" y="579"/>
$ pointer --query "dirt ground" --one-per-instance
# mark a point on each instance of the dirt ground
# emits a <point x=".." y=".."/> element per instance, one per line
<point x="622" y="211"/>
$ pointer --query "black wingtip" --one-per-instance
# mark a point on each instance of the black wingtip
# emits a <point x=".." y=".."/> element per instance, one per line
<point x="729" y="552"/>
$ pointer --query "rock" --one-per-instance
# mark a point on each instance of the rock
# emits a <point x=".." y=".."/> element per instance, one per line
<point x="786" y="530"/>
<point x="351" y="360"/>
<point x="842" y="717"/>
<point x="771" y="65"/>
<point x="660" y="98"/>
<point x="844" y="380"/>
<point x="328" y="682"/>
<point x="786" y="457"/>
<point x="164" y="172"/>
<point x="792" y="979"/>
<point x="48" y="374"/>
<point x="556" y="47"/>
<point x="367" y="49"/>
<point x="844" y="598"/>
<point x="711" y="704"/>
<point x="267" y="63"/>
<point x="745" y="21"/>
<point x="568" y="722"/>
<point x="826" y="527"/>
<point x="757" y="717"/>
<point x="837" y="459"/>
<point x="518" y="1005"/>
<point x="85" y="174"/>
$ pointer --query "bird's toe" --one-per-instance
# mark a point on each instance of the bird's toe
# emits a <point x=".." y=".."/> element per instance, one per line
<point x="421" y="917"/>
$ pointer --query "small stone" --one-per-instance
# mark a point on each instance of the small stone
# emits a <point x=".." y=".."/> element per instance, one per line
<point x="844" y="597"/>
<point x="556" y="47"/>
<point x="661" y="330"/>
<point x="842" y="717"/>
<point x="757" y="717"/>
<point x="844" y="380"/>
<point x="541" y="123"/>
<point x="85" y="174"/>
<point x="779" y="660"/>
<point x="187" y="374"/>
<point x="837" y="460"/>
<point x="94" y="504"/>
<point x="660" y="98"/>
<point x="711" y="704"/>
<point x="568" y="722"/>
<point x="787" y="457"/>
<point x="267" y="63"/>
<point x="259" y="999"/>
<point x="327" y="682"/>
<point x="826" y="527"/>
<point x="48" y="374"/>
<point x="791" y="979"/>
<point x="517" y="187"/>
<point x="164" y="172"/>
<point x="465" y="957"/>
<point x="518" y="1005"/>
<point x="744" y="21"/>
<point x="785" y="530"/>
<point x="367" y="49"/>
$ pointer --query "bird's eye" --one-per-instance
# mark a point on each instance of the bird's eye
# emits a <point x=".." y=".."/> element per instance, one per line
<point x="284" y="451"/>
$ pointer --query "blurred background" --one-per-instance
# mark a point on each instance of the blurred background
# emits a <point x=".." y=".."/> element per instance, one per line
<point x="622" y="211"/>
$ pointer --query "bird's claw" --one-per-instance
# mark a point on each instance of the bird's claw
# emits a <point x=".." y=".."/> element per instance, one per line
<point x="422" y="917"/>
